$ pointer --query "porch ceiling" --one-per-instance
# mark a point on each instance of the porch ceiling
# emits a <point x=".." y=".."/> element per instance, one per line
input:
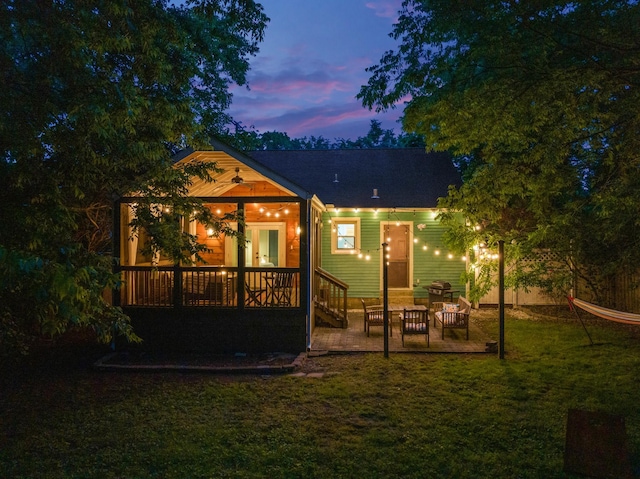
<point x="223" y="181"/>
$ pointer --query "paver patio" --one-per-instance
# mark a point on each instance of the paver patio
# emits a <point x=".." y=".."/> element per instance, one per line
<point x="354" y="338"/>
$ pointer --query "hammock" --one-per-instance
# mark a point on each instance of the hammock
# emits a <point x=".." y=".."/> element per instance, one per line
<point x="605" y="313"/>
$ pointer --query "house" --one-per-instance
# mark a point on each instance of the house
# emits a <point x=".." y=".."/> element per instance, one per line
<point x="315" y="224"/>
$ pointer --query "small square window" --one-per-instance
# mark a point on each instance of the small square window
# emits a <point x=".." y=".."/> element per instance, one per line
<point x="345" y="235"/>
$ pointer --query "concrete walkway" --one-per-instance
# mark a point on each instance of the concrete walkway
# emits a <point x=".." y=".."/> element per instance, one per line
<point x="354" y="339"/>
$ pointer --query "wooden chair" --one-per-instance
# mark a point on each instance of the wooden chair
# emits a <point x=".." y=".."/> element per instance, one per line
<point x="415" y="321"/>
<point x="373" y="316"/>
<point x="280" y="294"/>
<point x="201" y="289"/>
<point x="457" y="317"/>
<point x="254" y="294"/>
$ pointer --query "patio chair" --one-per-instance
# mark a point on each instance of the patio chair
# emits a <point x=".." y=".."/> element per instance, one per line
<point x="453" y="315"/>
<point x="373" y="316"/>
<point x="282" y="285"/>
<point x="415" y="321"/>
<point x="254" y="294"/>
<point x="201" y="289"/>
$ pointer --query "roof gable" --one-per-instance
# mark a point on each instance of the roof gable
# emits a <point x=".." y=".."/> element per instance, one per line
<point x="234" y="163"/>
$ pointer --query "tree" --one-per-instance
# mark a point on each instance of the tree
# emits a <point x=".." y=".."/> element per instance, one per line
<point x="249" y="140"/>
<point x="95" y="98"/>
<point x="538" y="101"/>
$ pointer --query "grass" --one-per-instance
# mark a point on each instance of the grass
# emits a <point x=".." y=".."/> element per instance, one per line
<point x="405" y="416"/>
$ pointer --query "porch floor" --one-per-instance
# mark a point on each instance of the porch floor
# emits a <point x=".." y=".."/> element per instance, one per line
<point x="354" y="338"/>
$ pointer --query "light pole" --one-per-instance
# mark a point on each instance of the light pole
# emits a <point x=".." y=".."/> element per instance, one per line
<point x="385" y="300"/>
<point x="501" y="295"/>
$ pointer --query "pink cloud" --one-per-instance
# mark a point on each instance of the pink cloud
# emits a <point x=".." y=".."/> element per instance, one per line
<point x="386" y="9"/>
<point x="330" y="121"/>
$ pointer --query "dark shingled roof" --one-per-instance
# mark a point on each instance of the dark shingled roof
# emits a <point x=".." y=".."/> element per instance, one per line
<point x="404" y="177"/>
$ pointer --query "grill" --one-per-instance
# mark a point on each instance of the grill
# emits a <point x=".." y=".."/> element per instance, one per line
<point x="438" y="288"/>
<point x="440" y="291"/>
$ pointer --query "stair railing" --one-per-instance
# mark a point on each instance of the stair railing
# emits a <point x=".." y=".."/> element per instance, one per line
<point x="330" y="294"/>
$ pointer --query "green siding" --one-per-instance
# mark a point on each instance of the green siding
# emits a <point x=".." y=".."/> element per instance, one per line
<point x="363" y="276"/>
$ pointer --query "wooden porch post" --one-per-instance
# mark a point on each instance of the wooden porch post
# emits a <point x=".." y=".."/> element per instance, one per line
<point x="117" y="241"/>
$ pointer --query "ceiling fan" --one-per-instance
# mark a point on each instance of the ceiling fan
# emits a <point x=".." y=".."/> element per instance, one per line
<point x="237" y="179"/>
<point x="234" y="181"/>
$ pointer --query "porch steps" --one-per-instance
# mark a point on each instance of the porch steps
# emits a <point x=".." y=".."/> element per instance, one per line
<point x="326" y="315"/>
<point x="399" y="297"/>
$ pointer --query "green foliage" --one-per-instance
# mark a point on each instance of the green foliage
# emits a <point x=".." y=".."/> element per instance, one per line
<point x="96" y="96"/>
<point x="538" y="101"/>
<point x="376" y="137"/>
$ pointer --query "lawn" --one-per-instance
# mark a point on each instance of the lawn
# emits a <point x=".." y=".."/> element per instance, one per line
<point x="406" y="416"/>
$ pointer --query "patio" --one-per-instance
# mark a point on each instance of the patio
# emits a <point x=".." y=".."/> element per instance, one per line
<point x="354" y="338"/>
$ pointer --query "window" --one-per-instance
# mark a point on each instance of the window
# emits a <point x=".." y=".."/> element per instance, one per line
<point x="345" y="235"/>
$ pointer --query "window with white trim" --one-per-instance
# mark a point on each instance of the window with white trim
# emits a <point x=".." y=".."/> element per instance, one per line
<point x="345" y="235"/>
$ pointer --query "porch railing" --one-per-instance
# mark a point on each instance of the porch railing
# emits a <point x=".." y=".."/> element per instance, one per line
<point x="330" y="295"/>
<point x="210" y="287"/>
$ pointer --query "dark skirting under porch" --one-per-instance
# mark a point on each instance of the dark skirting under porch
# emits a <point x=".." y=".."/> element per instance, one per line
<point x="218" y="330"/>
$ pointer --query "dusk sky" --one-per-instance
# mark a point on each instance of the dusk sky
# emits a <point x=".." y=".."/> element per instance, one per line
<point x="312" y="64"/>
